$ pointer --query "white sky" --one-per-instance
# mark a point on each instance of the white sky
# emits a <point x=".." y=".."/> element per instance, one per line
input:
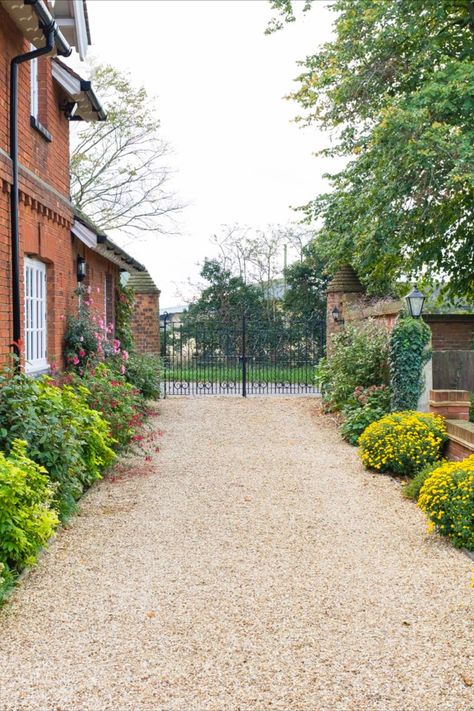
<point x="220" y="82"/>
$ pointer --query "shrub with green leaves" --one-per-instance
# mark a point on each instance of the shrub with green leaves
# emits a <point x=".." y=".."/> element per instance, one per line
<point x="413" y="488"/>
<point x="119" y="403"/>
<point x="403" y="442"/>
<point x="143" y="372"/>
<point x="367" y="405"/>
<point x="359" y="357"/>
<point x="63" y="434"/>
<point x="408" y="355"/>
<point x="447" y="498"/>
<point x="27" y="519"/>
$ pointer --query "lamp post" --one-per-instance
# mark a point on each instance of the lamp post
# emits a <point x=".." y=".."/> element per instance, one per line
<point x="415" y="300"/>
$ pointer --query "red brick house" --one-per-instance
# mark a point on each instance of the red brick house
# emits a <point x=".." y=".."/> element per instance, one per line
<point x="43" y="245"/>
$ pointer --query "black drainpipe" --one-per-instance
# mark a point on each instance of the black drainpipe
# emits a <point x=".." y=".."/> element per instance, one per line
<point x="52" y="35"/>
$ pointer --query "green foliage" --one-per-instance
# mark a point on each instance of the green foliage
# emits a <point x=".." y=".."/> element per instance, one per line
<point x="306" y="282"/>
<point x="447" y="498"/>
<point x="143" y="371"/>
<point x="27" y="520"/>
<point x="471" y="409"/>
<point x="413" y="488"/>
<point x="359" y="357"/>
<point x="225" y="299"/>
<point x="63" y="434"/>
<point x="408" y="356"/>
<point x="124" y="302"/>
<point x="403" y="442"/>
<point x="369" y="405"/>
<point x="394" y="86"/>
<point x="119" y="403"/>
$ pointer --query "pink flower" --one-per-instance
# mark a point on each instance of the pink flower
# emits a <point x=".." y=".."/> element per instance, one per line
<point x="82" y="353"/>
<point x="98" y="289"/>
<point x="75" y="360"/>
<point x="61" y="317"/>
<point x="124" y="355"/>
<point x="101" y="323"/>
<point x="122" y="370"/>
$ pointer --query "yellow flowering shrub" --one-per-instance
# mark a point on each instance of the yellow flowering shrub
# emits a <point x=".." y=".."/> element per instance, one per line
<point x="447" y="498"/>
<point x="402" y="442"/>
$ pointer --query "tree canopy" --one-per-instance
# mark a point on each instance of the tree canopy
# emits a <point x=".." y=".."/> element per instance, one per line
<point x="394" y="87"/>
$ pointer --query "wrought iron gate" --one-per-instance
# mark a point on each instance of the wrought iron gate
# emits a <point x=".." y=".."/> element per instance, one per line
<point x="248" y="358"/>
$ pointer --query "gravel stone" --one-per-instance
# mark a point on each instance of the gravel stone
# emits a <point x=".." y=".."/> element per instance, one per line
<point x="252" y="564"/>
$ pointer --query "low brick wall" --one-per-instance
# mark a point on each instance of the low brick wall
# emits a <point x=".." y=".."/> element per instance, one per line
<point x="461" y="440"/>
<point x="451" y="404"/>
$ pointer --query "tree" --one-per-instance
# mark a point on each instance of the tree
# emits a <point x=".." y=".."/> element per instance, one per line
<point x="119" y="176"/>
<point x="395" y="88"/>
<point x="306" y="279"/>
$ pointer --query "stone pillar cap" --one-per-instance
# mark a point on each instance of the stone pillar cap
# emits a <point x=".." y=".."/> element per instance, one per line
<point x="345" y="280"/>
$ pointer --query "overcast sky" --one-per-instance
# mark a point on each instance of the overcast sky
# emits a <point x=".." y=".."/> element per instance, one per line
<point x="220" y="83"/>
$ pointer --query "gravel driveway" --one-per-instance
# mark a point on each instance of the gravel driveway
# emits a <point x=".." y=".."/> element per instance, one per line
<point x="252" y="565"/>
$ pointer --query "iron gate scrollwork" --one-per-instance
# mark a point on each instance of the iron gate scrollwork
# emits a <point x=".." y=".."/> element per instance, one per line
<point x="248" y="358"/>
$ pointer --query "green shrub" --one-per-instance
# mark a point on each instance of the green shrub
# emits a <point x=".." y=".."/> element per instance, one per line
<point x="471" y="409"/>
<point x="403" y="442"/>
<point x="359" y="357"/>
<point x="63" y="434"/>
<point x="124" y="302"/>
<point x="447" y="498"/>
<point x="412" y="489"/>
<point x="367" y="406"/>
<point x="408" y="356"/>
<point x="27" y="520"/>
<point x="357" y="419"/>
<point x="119" y="403"/>
<point x="143" y="372"/>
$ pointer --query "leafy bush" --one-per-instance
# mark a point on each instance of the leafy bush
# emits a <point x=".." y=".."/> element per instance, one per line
<point x="367" y="406"/>
<point x="359" y="357"/>
<point x="64" y="435"/>
<point x="447" y="498"/>
<point x="119" y="403"/>
<point x="26" y="518"/>
<point x="403" y="442"/>
<point x="124" y="302"/>
<point x="413" y="488"/>
<point x="143" y="372"/>
<point x="408" y="355"/>
<point x="471" y="409"/>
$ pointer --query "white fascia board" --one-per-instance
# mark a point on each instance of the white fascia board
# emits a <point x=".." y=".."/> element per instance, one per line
<point x="70" y="84"/>
<point x="81" y="28"/>
<point x="71" y="20"/>
<point x="87" y="236"/>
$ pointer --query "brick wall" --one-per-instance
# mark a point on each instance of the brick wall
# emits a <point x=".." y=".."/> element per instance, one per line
<point x="454" y="332"/>
<point x="146" y="323"/>
<point x="45" y="213"/>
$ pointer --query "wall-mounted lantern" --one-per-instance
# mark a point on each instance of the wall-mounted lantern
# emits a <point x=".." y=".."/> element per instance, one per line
<point x="81" y="268"/>
<point x="336" y="314"/>
<point x="415" y="301"/>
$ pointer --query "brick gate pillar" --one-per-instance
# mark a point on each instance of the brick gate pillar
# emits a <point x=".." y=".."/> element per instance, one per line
<point x="343" y="289"/>
<point x="146" y="313"/>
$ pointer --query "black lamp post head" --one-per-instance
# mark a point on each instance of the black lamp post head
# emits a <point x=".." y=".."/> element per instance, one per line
<point x="415" y="300"/>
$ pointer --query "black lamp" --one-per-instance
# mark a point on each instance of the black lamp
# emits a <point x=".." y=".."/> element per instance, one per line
<point x="415" y="301"/>
<point x="336" y="314"/>
<point x="81" y="268"/>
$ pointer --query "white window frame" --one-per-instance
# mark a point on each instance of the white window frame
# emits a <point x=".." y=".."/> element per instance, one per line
<point x="36" y="333"/>
<point x="34" y="88"/>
